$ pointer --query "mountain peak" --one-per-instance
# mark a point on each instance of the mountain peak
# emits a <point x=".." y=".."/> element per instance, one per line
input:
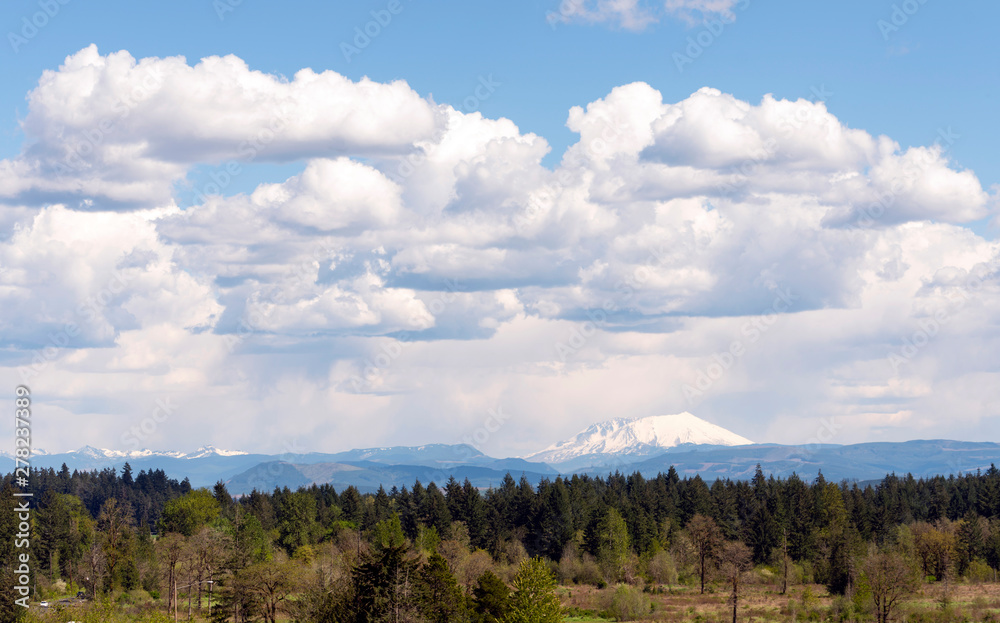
<point x="639" y="436"/>
<point x="212" y="450"/>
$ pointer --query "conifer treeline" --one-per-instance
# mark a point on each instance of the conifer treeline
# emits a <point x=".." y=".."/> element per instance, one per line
<point x="125" y="531"/>
<point x="545" y="518"/>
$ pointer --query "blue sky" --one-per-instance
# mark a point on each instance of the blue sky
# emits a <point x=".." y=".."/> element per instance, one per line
<point x="389" y="246"/>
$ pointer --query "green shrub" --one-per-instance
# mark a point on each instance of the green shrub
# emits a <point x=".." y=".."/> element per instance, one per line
<point x="630" y="604"/>
<point x="979" y="571"/>
<point x="661" y="568"/>
<point x="862" y="596"/>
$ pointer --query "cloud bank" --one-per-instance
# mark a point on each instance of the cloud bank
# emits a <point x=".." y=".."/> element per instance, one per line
<point x="760" y="264"/>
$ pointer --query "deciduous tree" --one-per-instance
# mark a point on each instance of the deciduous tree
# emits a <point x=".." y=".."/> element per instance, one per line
<point x="705" y="536"/>
<point x="735" y="559"/>
<point x="890" y="579"/>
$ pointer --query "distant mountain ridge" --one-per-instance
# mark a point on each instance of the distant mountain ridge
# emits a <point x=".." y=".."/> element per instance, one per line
<point x="102" y="453"/>
<point x="646" y="445"/>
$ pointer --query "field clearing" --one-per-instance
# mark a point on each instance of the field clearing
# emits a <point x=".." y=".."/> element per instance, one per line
<point x="810" y="602"/>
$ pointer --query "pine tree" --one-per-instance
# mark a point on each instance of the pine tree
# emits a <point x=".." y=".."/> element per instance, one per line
<point x="438" y="594"/>
<point x="615" y="546"/>
<point x="534" y="599"/>
<point x="384" y="585"/>
<point x="474" y="515"/>
<point x="490" y="598"/>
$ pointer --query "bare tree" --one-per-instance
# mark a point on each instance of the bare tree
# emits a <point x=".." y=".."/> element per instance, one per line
<point x="95" y="568"/>
<point x="890" y="579"/>
<point x="208" y="554"/>
<point x="172" y="548"/>
<point x="735" y="559"/>
<point x="706" y="537"/>
<point x="784" y="561"/>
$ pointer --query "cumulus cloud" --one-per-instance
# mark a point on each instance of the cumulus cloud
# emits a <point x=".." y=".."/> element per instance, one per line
<point x="424" y="262"/>
<point x="91" y="276"/>
<point x="123" y="131"/>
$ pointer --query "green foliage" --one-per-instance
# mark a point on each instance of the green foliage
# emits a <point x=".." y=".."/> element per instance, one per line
<point x="382" y="584"/>
<point x="862" y="595"/>
<point x="979" y="571"/>
<point x="439" y="597"/>
<point x="93" y="529"/>
<point x="534" y="599"/>
<point x="296" y="520"/>
<point x="630" y="604"/>
<point x="427" y="539"/>
<point x="186" y="514"/>
<point x="251" y="543"/>
<point x="490" y="598"/>
<point x="305" y="554"/>
<point x="388" y="533"/>
<point x="614" y="545"/>
<point x="661" y="568"/>
<point x="324" y="600"/>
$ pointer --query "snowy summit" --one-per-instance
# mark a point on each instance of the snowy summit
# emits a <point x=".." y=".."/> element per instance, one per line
<point x="637" y="436"/>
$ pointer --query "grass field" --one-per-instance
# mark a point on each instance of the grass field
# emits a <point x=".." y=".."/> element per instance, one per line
<point x="764" y="603"/>
<point x="964" y="602"/>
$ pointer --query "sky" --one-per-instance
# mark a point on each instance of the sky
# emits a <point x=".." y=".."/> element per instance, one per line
<point x="315" y="226"/>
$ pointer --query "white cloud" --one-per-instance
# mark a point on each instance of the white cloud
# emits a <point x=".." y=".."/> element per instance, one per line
<point x="627" y="14"/>
<point x="688" y="9"/>
<point x="637" y="15"/>
<point x="425" y="262"/>
<point x="115" y="129"/>
<point x="333" y="194"/>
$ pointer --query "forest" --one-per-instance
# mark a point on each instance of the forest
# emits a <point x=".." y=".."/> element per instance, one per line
<point x="109" y="546"/>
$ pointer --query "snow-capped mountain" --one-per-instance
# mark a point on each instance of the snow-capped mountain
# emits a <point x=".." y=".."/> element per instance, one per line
<point x="210" y="451"/>
<point x="638" y="437"/>
<point x="90" y="452"/>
